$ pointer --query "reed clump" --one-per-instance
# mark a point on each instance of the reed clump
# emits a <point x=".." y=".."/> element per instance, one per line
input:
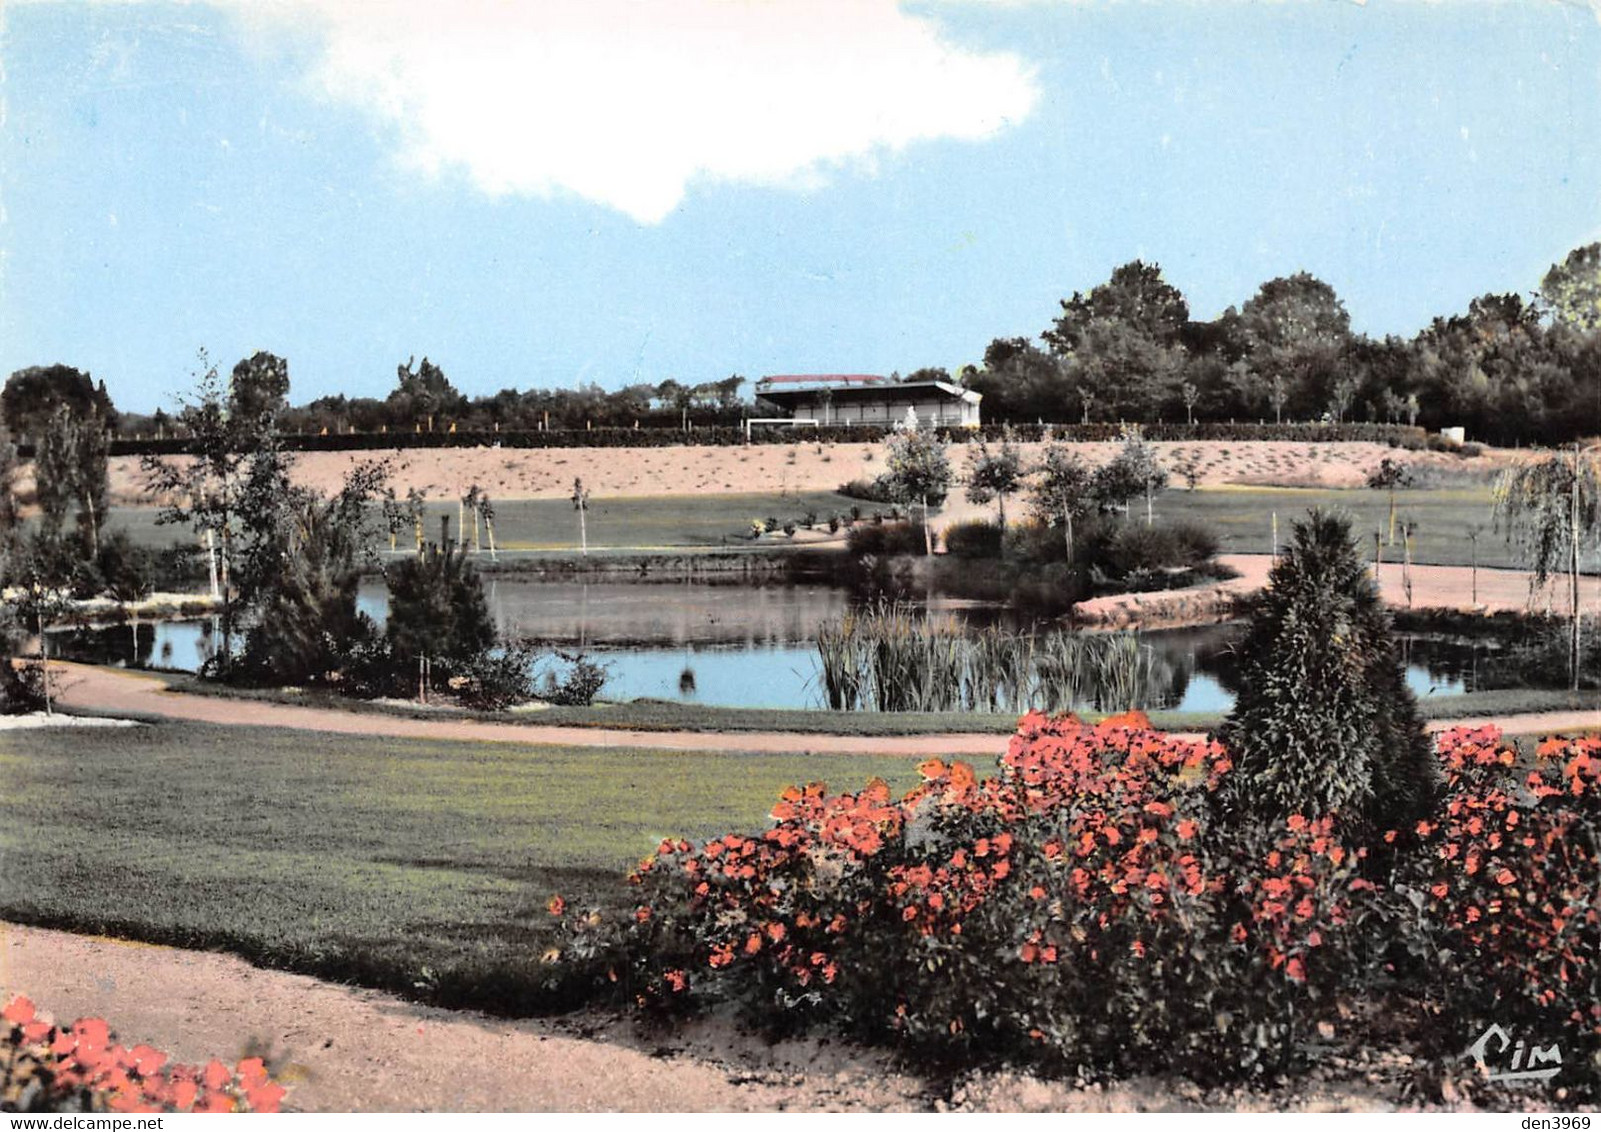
<point x="893" y="657"/>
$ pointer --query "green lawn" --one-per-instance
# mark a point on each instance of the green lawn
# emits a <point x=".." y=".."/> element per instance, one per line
<point x="674" y="522"/>
<point x="369" y="859"/>
<point x="1243" y="519"/>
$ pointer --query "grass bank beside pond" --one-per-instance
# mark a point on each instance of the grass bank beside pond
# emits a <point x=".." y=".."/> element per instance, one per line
<point x="523" y="526"/>
<point x="664" y="715"/>
<point x="421" y="867"/>
<point x="1242" y="518"/>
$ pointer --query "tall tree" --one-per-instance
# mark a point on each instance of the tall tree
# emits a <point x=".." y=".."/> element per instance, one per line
<point x="1295" y="328"/>
<point x="32" y="395"/>
<point x="1551" y="511"/>
<point x="423" y="394"/>
<point x="1571" y="290"/>
<point x="1061" y="491"/>
<point x="918" y="470"/>
<point x="994" y="475"/>
<point x="233" y="487"/>
<point x="1122" y="341"/>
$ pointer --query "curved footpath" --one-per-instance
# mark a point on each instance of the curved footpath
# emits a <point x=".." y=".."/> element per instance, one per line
<point x="86" y="687"/>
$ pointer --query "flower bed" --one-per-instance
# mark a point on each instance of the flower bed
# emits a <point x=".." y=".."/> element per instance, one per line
<point x="1094" y="909"/>
<point x="79" y="1068"/>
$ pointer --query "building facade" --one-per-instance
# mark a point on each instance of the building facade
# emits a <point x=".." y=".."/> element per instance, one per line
<point x="867" y="399"/>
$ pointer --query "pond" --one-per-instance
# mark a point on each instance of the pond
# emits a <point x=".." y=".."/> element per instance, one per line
<point x="734" y="645"/>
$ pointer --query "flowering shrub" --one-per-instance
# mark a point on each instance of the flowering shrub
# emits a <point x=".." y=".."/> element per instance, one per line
<point x="78" y="1068"/>
<point x="1077" y="909"/>
<point x="1506" y="883"/>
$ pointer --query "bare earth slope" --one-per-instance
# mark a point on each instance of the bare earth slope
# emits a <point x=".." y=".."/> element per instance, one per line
<point x="547" y="473"/>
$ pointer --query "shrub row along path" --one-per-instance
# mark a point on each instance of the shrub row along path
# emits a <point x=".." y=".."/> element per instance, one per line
<point x="122" y="693"/>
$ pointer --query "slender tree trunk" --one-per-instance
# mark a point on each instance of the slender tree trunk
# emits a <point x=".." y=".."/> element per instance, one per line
<point x="583" y="534"/>
<point x="1573" y="571"/>
<point x="489" y="524"/>
<point x="44" y="658"/>
<point x="1067" y="525"/>
<point x="1148" y="494"/>
<point x="227" y="607"/>
<point x="928" y="536"/>
<point x="211" y="562"/>
<point x="94" y="526"/>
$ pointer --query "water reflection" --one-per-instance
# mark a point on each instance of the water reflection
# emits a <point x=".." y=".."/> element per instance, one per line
<point x="736" y="645"/>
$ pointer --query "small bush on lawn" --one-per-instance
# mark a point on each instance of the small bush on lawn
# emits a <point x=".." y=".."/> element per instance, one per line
<point x="873" y="491"/>
<point x="78" y="1068"/>
<point x="885" y="539"/>
<point x="494" y="680"/>
<point x="1073" y="912"/>
<point x="1135" y="548"/>
<point x="573" y="680"/>
<point x="976" y="538"/>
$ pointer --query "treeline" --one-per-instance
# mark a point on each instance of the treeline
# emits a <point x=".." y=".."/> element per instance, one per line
<point x="425" y="402"/>
<point x="1508" y="369"/>
<point x="180" y="442"/>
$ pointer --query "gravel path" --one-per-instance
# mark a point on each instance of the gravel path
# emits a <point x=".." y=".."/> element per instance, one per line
<point x="339" y="1048"/>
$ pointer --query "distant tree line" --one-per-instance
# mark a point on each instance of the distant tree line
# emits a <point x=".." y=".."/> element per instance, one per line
<point x="1508" y="369"/>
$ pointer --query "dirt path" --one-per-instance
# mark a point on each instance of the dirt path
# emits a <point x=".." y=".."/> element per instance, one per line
<point x="1433" y="587"/>
<point x="344" y="1049"/>
<point x="118" y="692"/>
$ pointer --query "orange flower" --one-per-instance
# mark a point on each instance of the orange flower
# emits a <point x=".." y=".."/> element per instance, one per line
<point x="556" y="906"/>
<point x="1296" y="970"/>
<point x="19" y="1011"/>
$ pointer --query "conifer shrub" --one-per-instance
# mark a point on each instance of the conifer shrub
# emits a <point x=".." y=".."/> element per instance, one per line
<point x="1324" y="721"/>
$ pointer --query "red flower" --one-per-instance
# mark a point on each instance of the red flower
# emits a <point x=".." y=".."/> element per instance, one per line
<point x="19" y="1011"/>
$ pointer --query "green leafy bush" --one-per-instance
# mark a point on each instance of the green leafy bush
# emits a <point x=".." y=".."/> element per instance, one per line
<point x="573" y="680"/>
<point x="885" y="539"/>
<point x="975" y="538"/>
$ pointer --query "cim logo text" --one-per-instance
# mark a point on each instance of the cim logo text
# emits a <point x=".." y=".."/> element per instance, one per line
<point x="1526" y="1062"/>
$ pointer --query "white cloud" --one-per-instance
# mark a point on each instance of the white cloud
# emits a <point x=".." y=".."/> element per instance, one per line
<point x="627" y="102"/>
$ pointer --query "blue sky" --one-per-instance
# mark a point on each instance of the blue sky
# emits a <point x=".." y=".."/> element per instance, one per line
<point x="532" y="197"/>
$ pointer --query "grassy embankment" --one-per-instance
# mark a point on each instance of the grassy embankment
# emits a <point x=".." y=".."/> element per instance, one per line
<point x="1241" y="516"/>
<point x="664" y="715"/>
<point x="633" y="523"/>
<point x="388" y="862"/>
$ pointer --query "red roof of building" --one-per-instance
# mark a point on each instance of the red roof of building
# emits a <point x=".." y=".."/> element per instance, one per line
<point x="822" y="378"/>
